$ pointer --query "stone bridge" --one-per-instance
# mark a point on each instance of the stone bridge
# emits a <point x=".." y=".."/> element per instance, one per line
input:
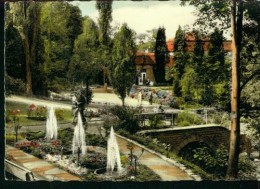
<point x="179" y="137"/>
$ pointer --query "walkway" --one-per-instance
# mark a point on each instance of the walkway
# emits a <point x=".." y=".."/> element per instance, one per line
<point x="167" y="169"/>
<point x="41" y="169"/>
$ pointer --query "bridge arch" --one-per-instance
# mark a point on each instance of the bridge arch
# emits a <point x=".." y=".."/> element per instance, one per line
<point x="187" y="150"/>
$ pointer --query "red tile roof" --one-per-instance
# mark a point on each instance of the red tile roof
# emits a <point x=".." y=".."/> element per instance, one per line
<point x="190" y="41"/>
<point x="144" y="58"/>
<point x="149" y="59"/>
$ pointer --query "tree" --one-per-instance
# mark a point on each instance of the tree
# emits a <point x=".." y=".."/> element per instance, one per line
<point x="105" y="18"/>
<point x="147" y="40"/>
<point x="123" y="54"/>
<point x="15" y="65"/>
<point x="217" y="14"/>
<point x="84" y="62"/>
<point x="25" y="17"/>
<point x="61" y="23"/>
<point x="180" y="60"/>
<point x="161" y="56"/>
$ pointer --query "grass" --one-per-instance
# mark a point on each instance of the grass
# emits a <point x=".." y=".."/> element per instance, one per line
<point x="23" y="120"/>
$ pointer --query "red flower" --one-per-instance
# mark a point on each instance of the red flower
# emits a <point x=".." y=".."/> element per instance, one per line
<point x="32" y="107"/>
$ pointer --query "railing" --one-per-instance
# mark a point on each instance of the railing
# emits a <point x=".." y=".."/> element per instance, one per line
<point x="166" y="116"/>
<point x="19" y="171"/>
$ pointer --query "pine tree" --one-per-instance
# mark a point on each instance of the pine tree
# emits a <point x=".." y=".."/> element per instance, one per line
<point x="161" y="56"/>
<point x="180" y="60"/>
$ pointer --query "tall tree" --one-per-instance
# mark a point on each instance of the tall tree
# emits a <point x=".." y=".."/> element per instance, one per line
<point x="84" y="62"/>
<point x="26" y="19"/>
<point x="61" y="23"/>
<point x="123" y="75"/>
<point x="15" y="65"/>
<point x="161" y="56"/>
<point x="180" y="60"/>
<point x="105" y="17"/>
<point x="217" y="14"/>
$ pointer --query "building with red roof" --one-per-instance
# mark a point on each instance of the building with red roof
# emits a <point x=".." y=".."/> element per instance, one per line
<point x="145" y="61"/>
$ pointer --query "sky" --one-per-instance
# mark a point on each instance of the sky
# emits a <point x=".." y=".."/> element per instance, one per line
<point x="145" y="15"/>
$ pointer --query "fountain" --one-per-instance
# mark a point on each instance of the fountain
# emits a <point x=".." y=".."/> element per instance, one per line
<point x="51" y="125"/>
<point x="113" y="155"/>
<point x="79" y="137"/>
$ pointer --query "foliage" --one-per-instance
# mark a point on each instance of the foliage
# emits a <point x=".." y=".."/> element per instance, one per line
<point x="10" y="138"/>
<point x="180" y="59"/>
<point x="14" y="86"/>
<point x="24" y="17"/>
<point x="59" y="114"/>
<point x="61" y="23"/>
<point x="105" y="17"/>
<point x="161" y="56"/>
<point x="35" y="135"/>
<point x="185" y="119"/>
<point x="127" y="119"/>
<point x="93" y="161"/>
<point x="245" y="165"/>
<point x="37" y="112"/>
<point x="14" y="65"/>
<point x="146" y="41"/>
<point x="66" y="135"/>
<point x="213" y="162"/>
<point x="95" y="140"/>
<point x="155" y="120"/>
<point x="123" y="51"/>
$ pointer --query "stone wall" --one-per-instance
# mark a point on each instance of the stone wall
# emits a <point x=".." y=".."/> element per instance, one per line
<point x="212" y="136"/>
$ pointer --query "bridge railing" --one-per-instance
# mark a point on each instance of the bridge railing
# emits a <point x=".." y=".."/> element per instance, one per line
<point x="166" y="116"/>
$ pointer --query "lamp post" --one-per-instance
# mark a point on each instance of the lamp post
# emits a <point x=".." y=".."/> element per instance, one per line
<point x="130" y="146"/>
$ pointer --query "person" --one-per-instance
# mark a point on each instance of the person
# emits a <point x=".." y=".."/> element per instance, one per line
<point x="151" y="99"/>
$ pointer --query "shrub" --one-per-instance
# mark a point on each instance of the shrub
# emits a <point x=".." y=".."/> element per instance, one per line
<point x="66" y="135"/>
<point x="10" y="138"/>
<point x="128" y="120"/>
<point x="214" y="162"/>
<point x="35" y="135"/>
<point x="185" y="118"/>
<point x="155" y="120"/>
<point x="59" y="114"/>
<point x="14" y="86"/>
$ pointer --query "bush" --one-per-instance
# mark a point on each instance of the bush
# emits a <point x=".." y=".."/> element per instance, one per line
<point x="35" y="135"/>
<point x="185" y="118"/>
<point x="155" y="120"/>
<point x="10" y="138"/>
<point x="127" y="119"/>
<point x="66" y="135"/>
<point x="59" y="114"/>
<point x="14" y="86"/>
<point x="214" y="162"/>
